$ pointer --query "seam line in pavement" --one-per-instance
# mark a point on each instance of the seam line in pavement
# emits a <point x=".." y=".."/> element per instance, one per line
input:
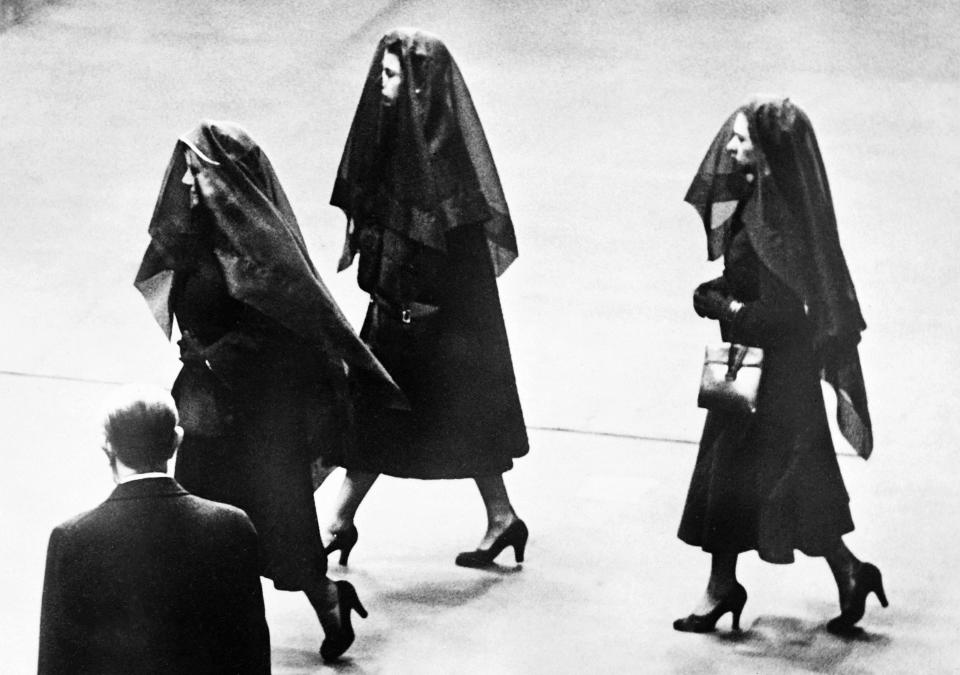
<point x="614" y="434"/>
<point x="562" y="430"/>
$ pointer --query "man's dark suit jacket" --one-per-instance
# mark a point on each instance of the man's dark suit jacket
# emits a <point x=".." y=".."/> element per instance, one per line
<point x="154" y="580"/>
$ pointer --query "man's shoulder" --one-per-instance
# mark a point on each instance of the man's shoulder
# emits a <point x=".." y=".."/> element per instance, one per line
<point x="104" y="515"/>
<point x="80" y="520"/>
<point x="215" y="510"/>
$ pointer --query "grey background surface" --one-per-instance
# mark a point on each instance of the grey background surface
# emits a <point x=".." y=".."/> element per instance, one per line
<point x="597" y="114"/>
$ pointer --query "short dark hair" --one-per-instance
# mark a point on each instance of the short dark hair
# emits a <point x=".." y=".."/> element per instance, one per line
<point x="140" y="425"/>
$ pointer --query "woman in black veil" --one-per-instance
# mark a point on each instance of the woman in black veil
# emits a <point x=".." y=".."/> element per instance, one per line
<point x="268" y="359"/>
<point x="427" y="215"/>
<point x="770" y="482"/>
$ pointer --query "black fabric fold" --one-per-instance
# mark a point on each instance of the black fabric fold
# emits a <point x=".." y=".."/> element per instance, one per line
<point x="787" y="210"/>
<point x="439" y="174"/>
<point x="257" y="243"/>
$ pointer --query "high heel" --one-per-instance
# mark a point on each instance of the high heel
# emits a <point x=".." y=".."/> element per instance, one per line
<point x="344" y="542"/>
<point x="706" y="623"/>
<point x="866" y="580"/>
<point x="335" y="643"/>
<point x="516" y="535"/>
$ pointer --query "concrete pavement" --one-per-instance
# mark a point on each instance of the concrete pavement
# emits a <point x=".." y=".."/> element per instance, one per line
<point x="597" y="114"/>
<point x="603" y="579"/>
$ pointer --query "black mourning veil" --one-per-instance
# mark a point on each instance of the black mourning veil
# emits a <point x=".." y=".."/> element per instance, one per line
<point x="257" y="243"/>
<point x="425" y="160"/>
<point x="789" y="217"/>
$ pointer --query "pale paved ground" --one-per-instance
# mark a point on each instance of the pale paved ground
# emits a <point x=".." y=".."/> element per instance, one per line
<point x="603" y="580"/>
<point x="597" y="114"/>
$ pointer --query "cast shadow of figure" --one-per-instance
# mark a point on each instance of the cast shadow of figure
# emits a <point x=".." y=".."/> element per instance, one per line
<point x="295" y="660"/>
<point x="400" y="607"/>
<point x="451" y="594"/>
<point x="805" y="644"/>
<point x="501" y="570"/>
<point x="12" y="12"/>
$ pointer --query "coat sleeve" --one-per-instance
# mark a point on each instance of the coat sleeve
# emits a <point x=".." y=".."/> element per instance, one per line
<point x="776" y="317"/>
<point x="58" y="635"/>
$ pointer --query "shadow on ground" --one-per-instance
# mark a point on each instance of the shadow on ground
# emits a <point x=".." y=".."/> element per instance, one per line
<point x="443" y="595"/>
<point x="806" y="645"/>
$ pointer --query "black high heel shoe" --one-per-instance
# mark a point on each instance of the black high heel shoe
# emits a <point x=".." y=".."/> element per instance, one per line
<point x="706" y="623"/>
<point x="866" y="580"/>
<point x="343" y="542"/>
<point x="336" y="643"/>
<point x="516" y="535"/>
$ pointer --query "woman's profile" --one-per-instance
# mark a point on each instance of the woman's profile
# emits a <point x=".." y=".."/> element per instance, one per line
<point x="770" y="481"/>
<point x="428" y="217"/>
<point x="269" y="361"/>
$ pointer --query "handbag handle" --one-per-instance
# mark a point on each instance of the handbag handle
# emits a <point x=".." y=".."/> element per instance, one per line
<point x="735" y="360"/>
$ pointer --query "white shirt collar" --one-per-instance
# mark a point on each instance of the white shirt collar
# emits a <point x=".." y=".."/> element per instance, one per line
<point x="142" y="476"/>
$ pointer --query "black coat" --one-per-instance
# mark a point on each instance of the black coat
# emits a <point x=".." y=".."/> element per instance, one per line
<point x="258" y="404"/>
<point x="455" y="367"/>
<point x="784" y="204"/>
<point x="428" y="216"/>
<point x="768" y="482"/>
<point x="154" y="580"/>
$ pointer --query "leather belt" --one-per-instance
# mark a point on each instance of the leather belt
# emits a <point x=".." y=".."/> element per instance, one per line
<point x="406" y="312"/>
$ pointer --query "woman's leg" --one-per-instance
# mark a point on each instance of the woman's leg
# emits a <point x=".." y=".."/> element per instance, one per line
<point x="855" y="581"/>
<point x="724" y="594"/>
<point x="844" y="566"/>
<point x="356" y="485"/>
<point x="500" y="513"/>
<point x="722" y="581"/>
<point x="323" y="596"/>
<point x="319" y="472"/>
<point x="333" y="603"/>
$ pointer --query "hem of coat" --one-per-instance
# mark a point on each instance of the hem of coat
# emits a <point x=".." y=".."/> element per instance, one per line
<point x="778" y="557"/>
<point x="459" y="474"/>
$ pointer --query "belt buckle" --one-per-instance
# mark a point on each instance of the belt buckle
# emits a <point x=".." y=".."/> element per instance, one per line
<point x="405" y="316"/>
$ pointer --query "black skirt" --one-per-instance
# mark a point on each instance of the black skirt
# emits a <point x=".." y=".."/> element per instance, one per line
<point x="768" y="482"/>
<point x="759" y="486"/>
<point x="455" y="367"/>
<point x="262" y="464"/>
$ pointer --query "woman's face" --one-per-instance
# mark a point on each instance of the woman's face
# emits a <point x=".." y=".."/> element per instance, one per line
<point x="390" y="78"/>
<point x="740" y="147"/>
<point x="190" y="182"/>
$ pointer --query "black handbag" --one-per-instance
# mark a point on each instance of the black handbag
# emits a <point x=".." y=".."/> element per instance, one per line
<point x="731" y="378"/>
<point x="205" y="404"/>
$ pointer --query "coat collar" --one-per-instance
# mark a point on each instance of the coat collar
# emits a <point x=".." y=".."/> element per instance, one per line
<point x="148" y="487"/>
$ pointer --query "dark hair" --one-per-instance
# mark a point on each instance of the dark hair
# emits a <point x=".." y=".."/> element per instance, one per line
<point x="140" y="425"/>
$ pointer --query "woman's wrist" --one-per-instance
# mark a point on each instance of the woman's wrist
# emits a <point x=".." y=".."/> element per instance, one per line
<point x="732" y="310"/>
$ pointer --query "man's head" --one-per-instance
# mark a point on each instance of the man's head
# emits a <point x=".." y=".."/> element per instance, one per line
<point x="140" y="428"/>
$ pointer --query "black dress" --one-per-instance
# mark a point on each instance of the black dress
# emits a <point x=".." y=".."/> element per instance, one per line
<point x="427" y="213"/>
<point x="274" y="401"/>
<point x="269" y="359"/>
<point x="769" y="482"/>
<point x="455" y="368"/>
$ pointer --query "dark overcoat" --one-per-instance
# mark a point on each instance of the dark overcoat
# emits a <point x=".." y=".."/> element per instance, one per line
<point x="768" y="482"/>
<point x="154" y="580"/>
<point x="428" y="216"/>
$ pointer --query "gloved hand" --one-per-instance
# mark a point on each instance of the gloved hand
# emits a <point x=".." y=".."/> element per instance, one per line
<point x="719" y="284"/>
<point x="710" y="303"/>
<point x="191" y="350"/>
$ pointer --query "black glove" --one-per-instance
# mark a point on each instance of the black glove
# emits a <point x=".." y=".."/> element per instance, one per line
<point x="710" y="303"/>
<point x="191" y="350"/>
<point x="719" y="284"/>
